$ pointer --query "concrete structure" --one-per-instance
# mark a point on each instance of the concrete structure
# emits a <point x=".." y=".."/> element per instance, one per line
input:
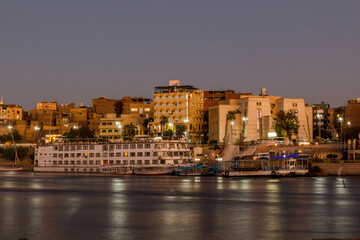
<point x="10" y="111"/>
<point x="103" y="105"/>
<point x="181" y="104"/>
<point x="110" y="127"/>
<point x="323" y="121"/>
<point x="218" y="120"/>
<point x="256" y="117"/>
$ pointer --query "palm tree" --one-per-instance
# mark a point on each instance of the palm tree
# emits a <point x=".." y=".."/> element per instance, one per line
<point x="129" y="131"/>
<point x="286" y="124"/>
<point x="163" y="121"/>
<point x="180" y="130"/>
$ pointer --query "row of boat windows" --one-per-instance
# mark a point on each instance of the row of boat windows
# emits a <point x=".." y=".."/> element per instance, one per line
<point x="111" y="162"/>
<point x="119" y="154"/>
<point x="120" y="146"/>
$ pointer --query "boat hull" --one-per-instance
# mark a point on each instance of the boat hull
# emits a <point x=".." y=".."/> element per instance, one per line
<point x="10" y="169"/>
<point x="277" y="173"/>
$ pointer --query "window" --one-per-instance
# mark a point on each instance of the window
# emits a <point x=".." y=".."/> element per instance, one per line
<point x="55" y="155"/>
<point x="91" y="147"/>
<point x="78" y="154"/>
<point x="147" y="154"/>
<point x="78" y="162"/>
<point x="139" y="146"/>
<point x="85" y="155"/>
<point x="66" y="148"/>
<point x="104" y="130"/>
<point x="66" y="162"/>
<point x="72" y="155"/>
<point x="110" y="130"/>
<point x="54" y="162"/>
<point x="118" y="162"/>
<point x="91" y="162"/>
<point x="147" y="109"/>
<point x="91" y="154"/>
<point x="132" y="154"/>
<point x="147" y="162"/>
<point x="134" y="109"/>
<point x="139" y="162"/>
<point x="60" y="155"/>
<point x="60" y="162"/>
<point x="155" y="154"/>
<point x="78" y="147"/>
<point x="155" y="161"/>
<point x="61" y="148"/>
<point x="104" y="147"/>
<point x="66" y="155"/>
<point x="176" y="162"/>
<point x="125" y="146"/>
<point x="98" y="155"/>
<point x="258" y="103"/>
<point x="126" y="154"/>
<point x="139" y="154"/>
<point x="118" y="154"/>
<point x="294" y="104"/>
<point x="118" y="146"/>
<point x="105" y="154"/>
<point x="132" y="162"/>
<point x="84" y="162"/>
<point x="85" y="147"/>
<point x="72" y="162"/>
<point x="132" y="146"/>
<point x="111" y="154"/>
<point x="72" y="148"/>
<point x="111" y="162"/>
<point x="147" y="145"/>
<point x="97" y="162"/>
<point x="125" y="162"/>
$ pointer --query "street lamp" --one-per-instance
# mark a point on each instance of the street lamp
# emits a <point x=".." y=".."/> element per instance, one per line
<point x="37" y="129"/>
<point x="319" y="117"/>
<point x="341" y="137"/>
<point x="118" y="125"/>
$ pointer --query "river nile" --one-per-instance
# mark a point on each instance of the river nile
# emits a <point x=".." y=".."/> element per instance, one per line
<point x="49" y="206"/>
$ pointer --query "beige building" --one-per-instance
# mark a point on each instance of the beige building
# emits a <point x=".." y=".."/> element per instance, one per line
<point x="256" y="118"/>
<point x="181" y="104"/>
<point x="10" y="111"/>
<point x="110" y="127"/>
<point x="218" y="120"/>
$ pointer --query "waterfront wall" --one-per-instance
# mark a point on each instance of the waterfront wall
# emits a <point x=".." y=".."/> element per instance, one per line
<point x="338" y="168"/>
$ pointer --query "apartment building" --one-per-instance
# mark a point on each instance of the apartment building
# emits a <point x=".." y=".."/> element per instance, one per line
<point x="181" y="104"/>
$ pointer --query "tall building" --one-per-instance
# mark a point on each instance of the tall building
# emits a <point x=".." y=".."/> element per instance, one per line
<point x="181" y="104"/>
<point x="352" y="113"/>
<point x="323" y="123"/>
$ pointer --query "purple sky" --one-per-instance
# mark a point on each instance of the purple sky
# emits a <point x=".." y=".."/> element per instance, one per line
<point x="78" y="50"/>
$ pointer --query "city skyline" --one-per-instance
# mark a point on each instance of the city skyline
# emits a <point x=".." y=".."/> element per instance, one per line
<point x="76" y="51"/>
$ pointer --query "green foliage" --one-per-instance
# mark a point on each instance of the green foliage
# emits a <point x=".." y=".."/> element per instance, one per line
<point x="83" y="132"/>
<point x="180" y="130"/>
<point x="8" y="138"/>
<point x="286" y="124"/>
<point x="146" y="125"/>
<point x="9" y="153"/>
<point x="129" y="131"/>
<point x="230" y="115"/>
<point x="169" y="134"/>
<point x="163" y="121"/>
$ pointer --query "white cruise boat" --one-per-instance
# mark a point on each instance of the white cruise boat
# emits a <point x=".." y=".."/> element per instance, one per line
<point x="149" y="157"/>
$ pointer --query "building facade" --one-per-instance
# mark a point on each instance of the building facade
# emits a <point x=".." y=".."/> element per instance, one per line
<point x="180" y="104"/>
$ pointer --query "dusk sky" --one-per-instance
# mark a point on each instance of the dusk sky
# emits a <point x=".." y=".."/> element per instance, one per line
<point x="74" y="51"/>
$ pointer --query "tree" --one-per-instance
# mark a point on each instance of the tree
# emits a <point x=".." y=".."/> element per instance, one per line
<point x="8" y="138"/>
<point x="169" y="134"/>
<point x="129" y="131"/>
<point x="163" y="121"/>
<point x="83" y="132"/>
<point x="286" y="124"/>
<point x="180" y="130"/>
<point x="146" y="125"/>
<point x="9" y="153"/>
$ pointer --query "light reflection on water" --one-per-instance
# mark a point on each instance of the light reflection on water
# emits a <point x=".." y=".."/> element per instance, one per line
<point x="170" y="207"/>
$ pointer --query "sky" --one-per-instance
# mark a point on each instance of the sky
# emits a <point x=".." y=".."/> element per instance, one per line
<point x="74" y="51"/>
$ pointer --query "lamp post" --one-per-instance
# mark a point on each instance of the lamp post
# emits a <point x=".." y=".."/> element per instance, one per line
<point x="186" y="121"/>
<point x="37" y="129"/>
<point x="319" y="117"/>
<point x="118" y="125"/>
<point x="341" y="137"/>
<point x="13" y="140"/>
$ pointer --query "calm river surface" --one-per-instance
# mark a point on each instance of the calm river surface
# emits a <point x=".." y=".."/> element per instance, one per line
<point x="49" y="206"/>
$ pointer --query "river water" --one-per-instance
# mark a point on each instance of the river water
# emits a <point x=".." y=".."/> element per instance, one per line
<point x="49" y="206"/>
